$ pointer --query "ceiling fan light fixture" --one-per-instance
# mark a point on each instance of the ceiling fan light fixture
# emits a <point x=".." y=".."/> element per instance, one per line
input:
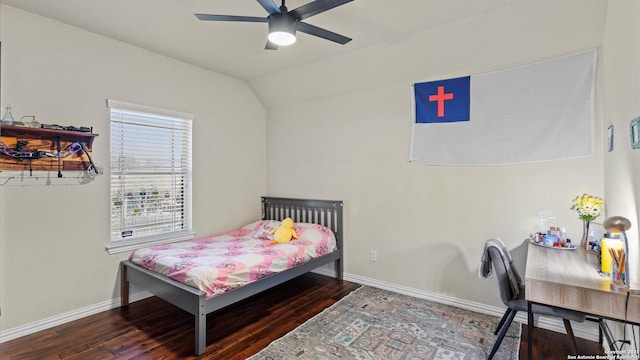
<point x="283" y="24"/>
<point x="282" y="29"/>
<point x="282" y="38"/>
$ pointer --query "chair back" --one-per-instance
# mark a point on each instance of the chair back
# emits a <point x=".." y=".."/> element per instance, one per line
<point x="506" y="272"/>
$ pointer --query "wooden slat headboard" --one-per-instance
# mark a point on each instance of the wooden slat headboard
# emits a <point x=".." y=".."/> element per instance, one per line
<point x="323" y="212"/>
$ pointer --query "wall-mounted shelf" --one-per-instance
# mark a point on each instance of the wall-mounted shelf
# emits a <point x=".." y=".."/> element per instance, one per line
<point x="29" y="139"/>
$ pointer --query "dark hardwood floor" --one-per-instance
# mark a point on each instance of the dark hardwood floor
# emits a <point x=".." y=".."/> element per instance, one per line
<point x="552" y="345"/>
<point x="154" y="329"/>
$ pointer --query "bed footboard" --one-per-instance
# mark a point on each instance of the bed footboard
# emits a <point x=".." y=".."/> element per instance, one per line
<point x="187" y="298"/>
<point x="124" y="286"/>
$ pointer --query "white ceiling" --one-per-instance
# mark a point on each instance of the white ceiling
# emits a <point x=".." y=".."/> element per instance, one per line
<point x="169" y="27"/>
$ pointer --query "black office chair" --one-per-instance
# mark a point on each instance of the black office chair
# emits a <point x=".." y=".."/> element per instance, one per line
<point x="512" y="293"/>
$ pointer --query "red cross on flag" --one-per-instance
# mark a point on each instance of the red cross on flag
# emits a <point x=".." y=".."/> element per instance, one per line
<point x="432" y="98"/>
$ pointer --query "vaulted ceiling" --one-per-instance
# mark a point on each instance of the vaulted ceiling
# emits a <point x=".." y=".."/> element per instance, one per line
<point x="311" y="68"/>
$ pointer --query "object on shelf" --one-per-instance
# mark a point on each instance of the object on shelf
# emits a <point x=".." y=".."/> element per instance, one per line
<point x="67" y="128"/>
<point x="40" y="149"/>
<point x="7" y="118"/>
<point x="33" y="123"/>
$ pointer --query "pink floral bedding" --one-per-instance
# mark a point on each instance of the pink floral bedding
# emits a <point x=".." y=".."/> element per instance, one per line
<point x="224" y="262"/>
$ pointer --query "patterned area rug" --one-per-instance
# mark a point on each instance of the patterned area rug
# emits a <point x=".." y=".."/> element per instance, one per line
<point x="371" y="323"/>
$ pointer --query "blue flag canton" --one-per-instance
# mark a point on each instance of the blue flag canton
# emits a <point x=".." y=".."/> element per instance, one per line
<point x="443" y="101"/>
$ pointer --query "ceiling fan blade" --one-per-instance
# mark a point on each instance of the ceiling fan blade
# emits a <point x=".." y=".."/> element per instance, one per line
<point x="270" y="6"/>
<point x="320" y="32"/>
<point x="316" y="7"/>
<point x="210" y="17"/>
<point x="270" y="46"/>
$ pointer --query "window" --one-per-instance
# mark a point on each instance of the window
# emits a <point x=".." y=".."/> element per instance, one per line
<point x="150" y="176"/>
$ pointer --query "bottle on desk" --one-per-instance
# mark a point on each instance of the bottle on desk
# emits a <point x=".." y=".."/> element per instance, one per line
<point x="563" y="237"/>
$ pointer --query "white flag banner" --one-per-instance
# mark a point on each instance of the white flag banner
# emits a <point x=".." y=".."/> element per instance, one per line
<point x="538" y="112"/>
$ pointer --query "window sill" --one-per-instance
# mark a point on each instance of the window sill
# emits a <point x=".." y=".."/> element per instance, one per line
<point x="121" y="246"/>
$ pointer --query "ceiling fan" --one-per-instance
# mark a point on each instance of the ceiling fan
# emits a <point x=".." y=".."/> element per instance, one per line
<point x="284" y="23"/>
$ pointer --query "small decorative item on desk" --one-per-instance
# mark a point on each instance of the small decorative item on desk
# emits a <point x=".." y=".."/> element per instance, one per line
<point x="589" y="208"/>
<point x="551" y="241"/>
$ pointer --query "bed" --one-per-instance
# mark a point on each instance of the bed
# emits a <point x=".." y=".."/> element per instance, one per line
<point x="200" y="301"/>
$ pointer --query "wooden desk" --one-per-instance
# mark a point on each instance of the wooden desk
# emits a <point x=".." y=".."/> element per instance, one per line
<point x="569" y="279"/>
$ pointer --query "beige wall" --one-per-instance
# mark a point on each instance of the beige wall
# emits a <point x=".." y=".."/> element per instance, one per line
<point x="621" y="73"/>
<point x="428" y="224"/>
<point x="621" y="84"/>
<point x="52" y="237"/>
<point x="346" y="140"/>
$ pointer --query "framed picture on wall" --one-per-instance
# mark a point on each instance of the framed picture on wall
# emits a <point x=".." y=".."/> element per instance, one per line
<point x="634" y="132"/>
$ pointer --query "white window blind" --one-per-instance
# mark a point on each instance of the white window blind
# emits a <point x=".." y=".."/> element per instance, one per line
<point x="150" y="176"/>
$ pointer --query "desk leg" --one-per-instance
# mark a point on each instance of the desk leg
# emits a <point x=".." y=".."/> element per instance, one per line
<point x="604" y="330"/>
<point x="529" y="331"/>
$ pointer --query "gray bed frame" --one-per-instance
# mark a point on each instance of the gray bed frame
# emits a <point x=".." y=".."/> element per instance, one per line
<point x="192" y="300"/>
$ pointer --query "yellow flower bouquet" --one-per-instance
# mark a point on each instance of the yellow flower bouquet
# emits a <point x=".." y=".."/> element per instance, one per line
<point x="588" y="207"/>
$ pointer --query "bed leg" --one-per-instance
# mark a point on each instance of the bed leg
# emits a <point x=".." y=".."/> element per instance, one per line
<point x="124" y="286"/>
<point x="201" y="327"/>
<point x="339" y="269"/>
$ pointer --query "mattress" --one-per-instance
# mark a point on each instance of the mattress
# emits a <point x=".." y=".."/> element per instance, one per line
<point x="221" y="263"/>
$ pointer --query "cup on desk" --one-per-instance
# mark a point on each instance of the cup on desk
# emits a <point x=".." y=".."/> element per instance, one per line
<point x="609" y="245"/>
<point x="617" y="268"/>
<point x="617" y="274"/>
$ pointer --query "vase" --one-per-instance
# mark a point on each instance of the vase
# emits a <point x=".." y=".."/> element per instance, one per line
<point x="584" y="242"/>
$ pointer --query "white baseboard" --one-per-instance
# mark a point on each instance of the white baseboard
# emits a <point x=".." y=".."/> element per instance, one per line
<point x="67" y="317"/>
<point x="586" y="330"/>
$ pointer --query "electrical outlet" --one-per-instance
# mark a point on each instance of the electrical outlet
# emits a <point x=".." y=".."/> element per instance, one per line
<point x="374" y="256"/>
<point x="547" y="215"/>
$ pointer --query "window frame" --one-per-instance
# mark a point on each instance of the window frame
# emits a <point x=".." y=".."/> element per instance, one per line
<point x="118" y="244"/>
